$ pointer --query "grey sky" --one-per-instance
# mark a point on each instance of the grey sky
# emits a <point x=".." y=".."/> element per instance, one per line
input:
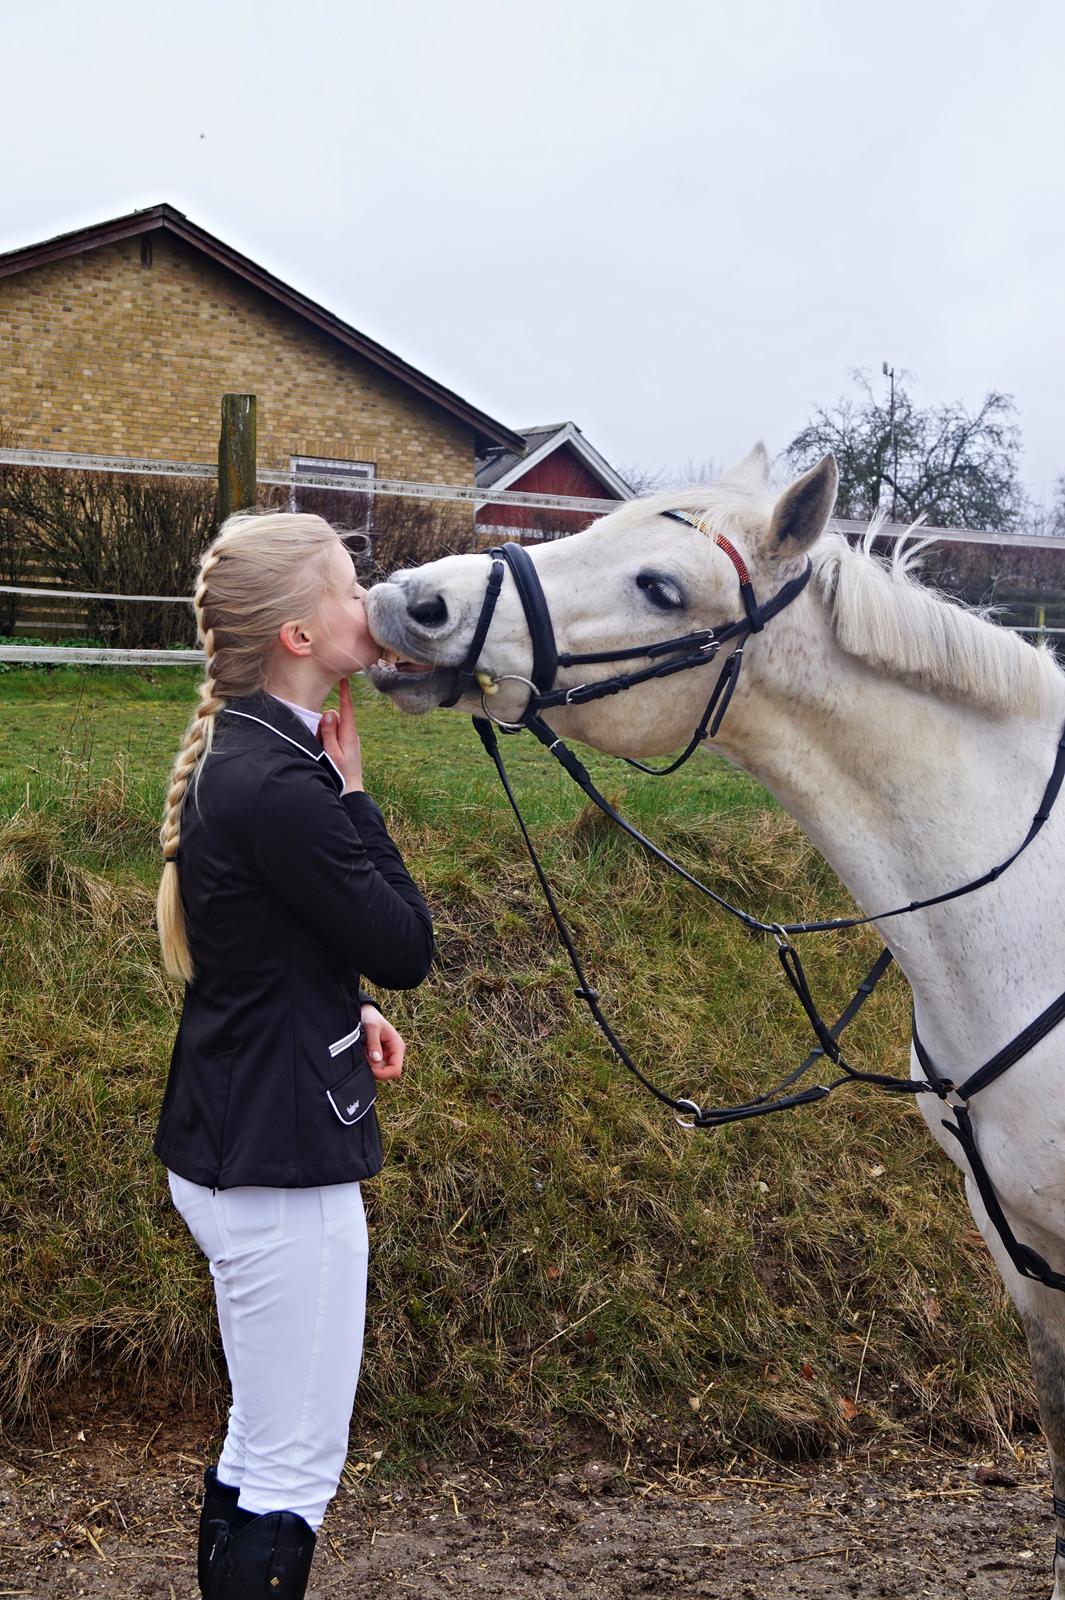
<point x="680" y="224"/>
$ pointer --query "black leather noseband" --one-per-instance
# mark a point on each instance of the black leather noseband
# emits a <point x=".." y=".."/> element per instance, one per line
<point x="516" y="559"/>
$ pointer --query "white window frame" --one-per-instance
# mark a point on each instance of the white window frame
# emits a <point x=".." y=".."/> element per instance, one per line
<point x="334" y="467"/>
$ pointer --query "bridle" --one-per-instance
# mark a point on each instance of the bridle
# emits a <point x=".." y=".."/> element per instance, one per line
<point x="683" y="653"/>
<point x="667" y="656"/>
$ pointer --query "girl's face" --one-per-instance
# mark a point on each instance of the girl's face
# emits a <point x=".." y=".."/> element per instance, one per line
<point x="341" y="641"/>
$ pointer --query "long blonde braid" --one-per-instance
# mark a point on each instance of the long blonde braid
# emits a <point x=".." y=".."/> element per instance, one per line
<point x="261" y="571"/>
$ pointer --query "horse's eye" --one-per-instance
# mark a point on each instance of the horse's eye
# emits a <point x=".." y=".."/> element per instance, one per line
<point x="661" y="591"/>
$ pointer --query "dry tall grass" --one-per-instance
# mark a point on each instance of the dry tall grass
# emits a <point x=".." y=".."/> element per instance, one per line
<point x="549" y="1251"/>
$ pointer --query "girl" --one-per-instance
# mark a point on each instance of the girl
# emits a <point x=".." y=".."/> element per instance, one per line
<point x="280" y="887"/>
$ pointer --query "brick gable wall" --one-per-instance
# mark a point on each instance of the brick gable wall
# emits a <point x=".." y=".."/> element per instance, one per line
<point x="103" y="354"/>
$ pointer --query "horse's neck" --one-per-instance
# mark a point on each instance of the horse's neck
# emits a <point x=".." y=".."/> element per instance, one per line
<point x="907" y="795"/>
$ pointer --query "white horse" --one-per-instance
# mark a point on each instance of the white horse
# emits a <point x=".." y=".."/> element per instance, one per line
<point x="911" y="740"/>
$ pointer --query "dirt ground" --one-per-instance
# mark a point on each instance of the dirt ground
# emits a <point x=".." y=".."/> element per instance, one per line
<point x="107" y="1508"/>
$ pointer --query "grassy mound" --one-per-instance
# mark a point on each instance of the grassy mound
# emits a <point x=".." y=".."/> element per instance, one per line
<point x="548" y="1249"/>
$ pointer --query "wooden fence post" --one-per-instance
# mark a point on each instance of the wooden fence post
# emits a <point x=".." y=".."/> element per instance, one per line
<point x="236" y="455"/>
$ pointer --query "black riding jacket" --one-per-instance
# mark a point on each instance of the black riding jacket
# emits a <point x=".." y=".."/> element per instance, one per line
<point x="291" y="892"/>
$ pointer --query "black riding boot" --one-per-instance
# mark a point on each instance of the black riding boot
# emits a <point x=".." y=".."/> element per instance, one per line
<point x="219" y="1504"/>
<point x="264" y="1558"/>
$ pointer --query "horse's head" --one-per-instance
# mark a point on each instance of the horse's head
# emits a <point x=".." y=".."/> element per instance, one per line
<point x="634" y="578"/>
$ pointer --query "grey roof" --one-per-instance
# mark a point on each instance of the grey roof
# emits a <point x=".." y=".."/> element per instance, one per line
<point x="498" y="462"/>
<point x="494" y="464"/>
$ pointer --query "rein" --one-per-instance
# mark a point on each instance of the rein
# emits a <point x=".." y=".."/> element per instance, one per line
<point x="685" y="652"/>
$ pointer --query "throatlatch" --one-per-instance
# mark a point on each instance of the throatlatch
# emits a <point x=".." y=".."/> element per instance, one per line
<point x="685" y="652"/>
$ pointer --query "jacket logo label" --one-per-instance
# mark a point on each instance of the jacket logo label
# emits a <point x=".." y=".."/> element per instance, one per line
<point x="349" y="1111"/>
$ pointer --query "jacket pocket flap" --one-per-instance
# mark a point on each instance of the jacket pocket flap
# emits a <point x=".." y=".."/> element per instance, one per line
<point x="354" y="1096"/>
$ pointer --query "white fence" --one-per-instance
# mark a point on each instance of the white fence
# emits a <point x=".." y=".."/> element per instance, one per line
<point x="475" y="495"/>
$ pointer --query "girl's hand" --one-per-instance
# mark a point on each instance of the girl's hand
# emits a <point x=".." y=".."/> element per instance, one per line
<point x="340" y="739"/>
<point x="385" y="1047"/>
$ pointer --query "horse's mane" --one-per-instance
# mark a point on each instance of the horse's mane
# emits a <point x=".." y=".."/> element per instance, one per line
<point x="882" y="615"/>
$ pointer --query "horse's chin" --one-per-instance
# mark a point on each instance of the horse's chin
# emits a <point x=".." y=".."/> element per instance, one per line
<point x="414" y="692"/>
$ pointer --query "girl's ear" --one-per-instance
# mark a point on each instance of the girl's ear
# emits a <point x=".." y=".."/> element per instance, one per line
<point x="801" y="514"/>
<point x="293" y="638"/>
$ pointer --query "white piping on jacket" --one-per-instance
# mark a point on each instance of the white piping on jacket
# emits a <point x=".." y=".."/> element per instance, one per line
<point x="263" y="724"/>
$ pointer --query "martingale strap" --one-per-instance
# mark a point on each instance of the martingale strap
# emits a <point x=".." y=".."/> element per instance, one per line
<point x="701" y="1116"/>
<point x="582" y="778"/>
<point x="1042" y="813"/>
<point x="691" y="1114"/>
<point x="1028" y="1262"/>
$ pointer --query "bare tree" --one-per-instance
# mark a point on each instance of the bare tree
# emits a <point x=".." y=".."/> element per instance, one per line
<point x="694" y="470"/>
<point x="407" y="532"/>
<point x="955" y="467"/>
<point x="643" y="479"/>
<point x="1048" y="518"/>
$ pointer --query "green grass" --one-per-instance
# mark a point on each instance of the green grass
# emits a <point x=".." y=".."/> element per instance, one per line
<point x="549" y="1250"/>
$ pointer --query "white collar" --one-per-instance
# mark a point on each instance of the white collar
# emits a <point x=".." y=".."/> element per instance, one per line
<point x="310" y="719"/>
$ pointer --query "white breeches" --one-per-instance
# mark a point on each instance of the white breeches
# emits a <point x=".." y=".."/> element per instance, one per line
<point x="289" y="1269"/>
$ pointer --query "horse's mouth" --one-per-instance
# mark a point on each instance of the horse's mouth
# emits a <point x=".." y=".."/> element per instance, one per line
<point x="392" y="667"/>
<point x="413" y="683"/>
<point x="392" y="674"/>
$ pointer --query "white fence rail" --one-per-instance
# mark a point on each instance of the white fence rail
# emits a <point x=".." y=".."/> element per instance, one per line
<point x="145" y="466"/>
<point x="85" y="594"/>
<point x="98" y="656"/>
<point x="476" y="495"/>
<point x="104" y="656"/>
<point x="473" y="494"/>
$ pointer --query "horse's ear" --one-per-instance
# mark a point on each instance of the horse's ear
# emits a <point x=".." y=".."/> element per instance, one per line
<point x="802" y="512"/>
<point x="753" y="469"/>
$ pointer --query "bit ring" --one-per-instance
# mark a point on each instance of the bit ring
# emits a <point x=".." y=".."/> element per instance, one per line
<point x="510" y="677"/>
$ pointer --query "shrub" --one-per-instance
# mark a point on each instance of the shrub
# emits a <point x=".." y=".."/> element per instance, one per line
<point x="110" y="533"/>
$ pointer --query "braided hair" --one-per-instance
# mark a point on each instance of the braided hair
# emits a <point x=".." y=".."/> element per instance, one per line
<point x="261" y="571"/>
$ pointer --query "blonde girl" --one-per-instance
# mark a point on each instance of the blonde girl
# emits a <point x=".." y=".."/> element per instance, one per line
<point x="280" y="890"/>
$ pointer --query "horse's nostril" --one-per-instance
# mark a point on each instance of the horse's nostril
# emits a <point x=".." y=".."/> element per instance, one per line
<point x="430" y="613"/>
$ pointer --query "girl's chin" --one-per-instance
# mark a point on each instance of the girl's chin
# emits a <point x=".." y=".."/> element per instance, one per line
<point x="347" y="669"/>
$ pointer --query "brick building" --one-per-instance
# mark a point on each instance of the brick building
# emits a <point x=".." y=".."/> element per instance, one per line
<point x="120" y="339"/>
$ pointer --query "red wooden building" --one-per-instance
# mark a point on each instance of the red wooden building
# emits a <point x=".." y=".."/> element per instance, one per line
<point x="556" y="460"/>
